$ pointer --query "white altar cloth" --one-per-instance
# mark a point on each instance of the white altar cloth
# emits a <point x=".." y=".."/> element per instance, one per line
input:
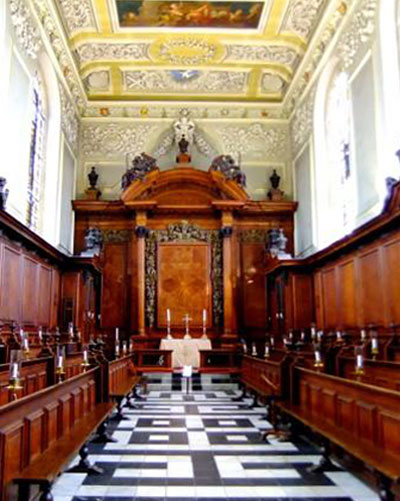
<point x="185" y="351"/>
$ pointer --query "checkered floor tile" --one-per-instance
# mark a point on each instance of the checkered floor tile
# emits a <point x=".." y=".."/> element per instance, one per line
<point x="203" y="446"/>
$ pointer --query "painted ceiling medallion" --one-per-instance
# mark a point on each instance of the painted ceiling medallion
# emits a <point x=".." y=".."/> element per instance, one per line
<point x="186" y="50"/>
<point x="271" y="83"/>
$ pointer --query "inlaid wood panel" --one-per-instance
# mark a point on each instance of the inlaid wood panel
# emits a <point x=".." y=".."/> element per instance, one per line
<point x="45" y="296"/>
<point x="329" y="291"/>
<point x="253" y="286"/>
<point x="30" y="290"/>
<point x="184" y="282"/>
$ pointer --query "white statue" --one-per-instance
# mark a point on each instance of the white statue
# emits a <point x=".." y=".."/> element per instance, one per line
<point x="184" y="133"/>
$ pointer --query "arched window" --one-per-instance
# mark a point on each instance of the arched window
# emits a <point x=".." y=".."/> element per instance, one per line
<point x="338" y="149"/>
<point x="36" y="158"/>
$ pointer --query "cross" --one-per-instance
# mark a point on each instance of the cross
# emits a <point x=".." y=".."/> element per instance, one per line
<point x="187" y="319"/>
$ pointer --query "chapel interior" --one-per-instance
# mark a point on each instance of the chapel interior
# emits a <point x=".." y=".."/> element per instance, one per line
<point x="199" y="250"/>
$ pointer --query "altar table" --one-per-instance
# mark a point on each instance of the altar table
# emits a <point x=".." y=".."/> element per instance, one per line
<point x="185" y="351"/>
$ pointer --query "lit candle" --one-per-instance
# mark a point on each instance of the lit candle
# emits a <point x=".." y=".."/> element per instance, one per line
<point x="360" y="361"/>
<point x="14" y="371"/>
<point x="254" y="350"/>
<point x="302" y="336"/>
<point x="204" y="316"/>
<point x="317" y="356"/>
<point x="168" y="315"/>
<point x="71" y="329"/>
<point x="60" y="362"/>
<point x="266" y="354"/>
<point x="272" y="342"/>
<point x="117" y="349"/>
<point x="124" y="348"/>
<point x="116" y="335"/>
<point x="375" y="345"/>
<point x="290" y="335"/>
<point x="40" y="334"/>
<point x="131" y="345"/>
<point x="85" y="355"/>
<point x="313" y="333"/>
<point x="244" y="348"/>
<point x="363" y="335"/>
<point x="338" y="335"/>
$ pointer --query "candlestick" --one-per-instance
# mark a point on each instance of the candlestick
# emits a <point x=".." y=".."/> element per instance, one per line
<point x="187" y="320"/>
<point x="318" y="360"/>
<point x="117" y="350"/>
<point x="168" y="315"/>
<point x="204" y="336"/>
<point x="266" y="352"/>
<point x="339" y="338"/>
<point x="85" y="364"/>
<point x="363" y="335"/>
<point x="14" y="370"/>
<point x="124" y="348"/>
<point x="313" y="332"/>
<point x="40" y="335"/>
<point x="116" y="335"/>
<point x="374" y="347"/>
<point x="14" y="383"/>
<point x="253" y="350"/>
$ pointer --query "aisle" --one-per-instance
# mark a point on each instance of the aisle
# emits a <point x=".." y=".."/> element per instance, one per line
<point x="203" y="446"/>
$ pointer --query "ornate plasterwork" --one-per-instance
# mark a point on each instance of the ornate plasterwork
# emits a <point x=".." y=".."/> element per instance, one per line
<point x="262" y="53"/>
<point x="302" y="16"/>
<point x="26" y="31"/>
<point x="359" y="32"/>
<point x="78" y="14"/>
<point x="98" y="81"/>
<point x="61" y="52"/>
<point x="92" y="52"/>
<point x="271" y="83"/>
<point x="270" y="141"/>
<point x="301" y="125"/>
<point x="113" y="139"/>
<point x="187" y="51"/>
<point x="69" y="120"/>
<point x="195" y="81"/>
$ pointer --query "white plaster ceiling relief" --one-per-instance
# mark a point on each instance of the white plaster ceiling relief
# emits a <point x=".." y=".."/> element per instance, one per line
<point x="302" y="123"/>
<point x="98" y="81"/>
<point x="98" y="51"/>
<point x="112" y="139"/>
<point x="262" y="53"/>
<point x="26" y="31"/>
<point x="77" y="14"/>
<point x="69" y="120"/>
<point x="190" y="80"/>
<point x="271" y="83"/>
<point x="302" y="16"/>
<point x="257" y="141"/>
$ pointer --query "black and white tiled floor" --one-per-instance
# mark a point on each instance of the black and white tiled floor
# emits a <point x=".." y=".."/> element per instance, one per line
<point x="203" y="446"/>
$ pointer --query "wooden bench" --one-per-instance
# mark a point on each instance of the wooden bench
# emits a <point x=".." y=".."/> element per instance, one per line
<point x="41" y="432"/>
<point x="361" y="419"/>
<point x="123" y="380"/>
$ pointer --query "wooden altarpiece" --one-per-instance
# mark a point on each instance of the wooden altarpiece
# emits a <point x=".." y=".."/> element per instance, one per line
<point x="187" y="240"/>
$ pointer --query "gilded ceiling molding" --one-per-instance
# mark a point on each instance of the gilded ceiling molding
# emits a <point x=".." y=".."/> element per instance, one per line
<point x="69" y="119"/>
<point x="26" y="30"/>
<point x="190" y="80"/>
<point x="98" y="81"/>
<point x="302" y="16"/>
<point x="302" y="122"/>
<point x="270" y="141"/>
<point x="272" y="83"/>
<point x="106" y="51"/>
<point x="187" y="51"/>
<point x="359" y="32"/>
<point x="114" y="140"/>
<point x="78" y="15"/>
<point x="61" y="52"/>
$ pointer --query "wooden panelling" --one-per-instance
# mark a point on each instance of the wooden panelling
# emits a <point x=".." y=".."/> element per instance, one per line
<point x="347" y="294"/>
<point x="302" y="293"/>
<point x="371" y="291"/>
<point x="45" y="296"/>
<point x="329" y="297"/>
<point x="10" y="302"/>
<point x="115" y="282"/>
<point x="391" y="276"/>
<point x="184" y="283"/>
<point x="253" y="286"/>
<point x="30" y="290"/>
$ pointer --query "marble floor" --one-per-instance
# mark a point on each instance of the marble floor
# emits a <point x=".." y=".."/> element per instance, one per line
<point x="203" y="446"/>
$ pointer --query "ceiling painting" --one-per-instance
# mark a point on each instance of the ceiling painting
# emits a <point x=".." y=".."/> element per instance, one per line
<point x="189" y="50"/>
<point x="188" y="14"/>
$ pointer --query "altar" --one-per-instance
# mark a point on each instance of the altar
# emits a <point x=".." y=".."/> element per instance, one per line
<point x="185" y="351"/>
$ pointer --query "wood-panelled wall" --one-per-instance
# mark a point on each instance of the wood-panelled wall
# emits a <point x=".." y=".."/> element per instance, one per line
<point x="361" y="288"/>
<point x="29" y="287"/>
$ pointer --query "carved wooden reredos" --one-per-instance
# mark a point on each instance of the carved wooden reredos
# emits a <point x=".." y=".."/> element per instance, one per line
<point x="166" y="217"/>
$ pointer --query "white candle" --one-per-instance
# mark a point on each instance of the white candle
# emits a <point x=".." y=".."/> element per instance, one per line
<point x="14" y="371"/>
<point x="312" y="332"/>
<point x="168" y="315"/>
<point x="302" y="336"/>
<point x="290" y="335"/>
<point x="124" y="347"/>
<point x="338" y="335"/>
<point x="117" y="349"/>
<point x="360" y="361"/>
<point x="363" y="335"/>
<point x="254" y="350"/>
<point x="374" y="343"/>
<point x="116" y="334"/>
<point x="272" y="341"/>
<point x="85" y="355"/>
<point x="317" y="356"/>
<point x="70" y="328"/>
<point x="60" y="362"/>
<point x="244" y="348"/>
<point x="266" y="350"/>
<point x="40" y="334"/>
<point x="319" y="335"/>
<point x="204" y="316"/>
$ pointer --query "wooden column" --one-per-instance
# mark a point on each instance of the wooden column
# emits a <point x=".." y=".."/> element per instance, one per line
<point x="141" y="232"/>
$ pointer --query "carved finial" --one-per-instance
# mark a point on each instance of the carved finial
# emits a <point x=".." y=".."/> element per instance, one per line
<point x="93" y="177"/>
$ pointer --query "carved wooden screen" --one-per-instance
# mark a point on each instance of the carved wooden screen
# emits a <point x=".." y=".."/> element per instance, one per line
<point x="184" y="282"/>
